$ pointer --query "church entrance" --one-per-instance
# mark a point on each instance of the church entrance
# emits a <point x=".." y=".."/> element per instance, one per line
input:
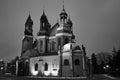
<point x="23" y="68"/>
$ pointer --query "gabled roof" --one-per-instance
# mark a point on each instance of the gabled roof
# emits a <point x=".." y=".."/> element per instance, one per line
<point x="53" y="30"/>
<point x="29" y="53"/>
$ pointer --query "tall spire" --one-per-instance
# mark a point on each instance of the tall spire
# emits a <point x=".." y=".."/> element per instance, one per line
<point x="44" y="24"/>
<point x="43" y="9"/>
<point x="28" y="26"/>
<point x="63" y="5"/>
<point x="43" y="17"/>
<point x="29" y="20"/>
<point x="43" y="12"/>
<point x="63" y="15"/>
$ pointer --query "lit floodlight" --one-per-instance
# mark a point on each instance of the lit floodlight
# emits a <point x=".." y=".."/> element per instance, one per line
<point x="54" y="73"/>
<point x="34" y="73"/>
<point x="47" y="73"/>
<point x="1" y="67"/>
<point x="104" y="67"/>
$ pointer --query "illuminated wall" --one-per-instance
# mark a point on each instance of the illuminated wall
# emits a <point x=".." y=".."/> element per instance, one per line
<point x="78" y="64"/>
<point x="67" y="67"/>
<point x="73" y="61"/>
<point x="52" y="68"/>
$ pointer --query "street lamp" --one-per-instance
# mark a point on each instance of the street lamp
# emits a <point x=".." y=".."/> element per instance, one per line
<point x="107" y="66"/>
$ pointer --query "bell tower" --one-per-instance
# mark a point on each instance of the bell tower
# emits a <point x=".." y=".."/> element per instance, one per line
<point x="27" y="41"/>
<point x="42" y="36"/>
<point x="64" y="31"/>
<point x="63" y="16"/>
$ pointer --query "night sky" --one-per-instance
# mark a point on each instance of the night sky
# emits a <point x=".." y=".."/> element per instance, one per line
<point x="96" y="23"/>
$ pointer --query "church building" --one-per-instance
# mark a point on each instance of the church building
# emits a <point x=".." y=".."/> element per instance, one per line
<point x="54" y="51"/>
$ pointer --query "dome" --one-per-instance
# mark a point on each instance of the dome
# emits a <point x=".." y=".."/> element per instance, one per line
<point x="69" y="46"/>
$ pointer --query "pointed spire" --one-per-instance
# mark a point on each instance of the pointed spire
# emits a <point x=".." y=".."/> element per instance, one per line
<point x="44" y="10"/>
<point x="63" y="6"/>
<point x="69" y="19"/>
<point x="84" y="49"/>
<point x="43" y="17"/>
<point x="29" y="20"/>
<point x="69" y="22"/>
<point x="29" y="17"/>
<point x="28" y="26"/>
<point x="29" y="13"/>
<point x="63" y="15"/>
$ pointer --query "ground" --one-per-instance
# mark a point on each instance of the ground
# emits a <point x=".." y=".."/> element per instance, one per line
<point x="93" y="77"/>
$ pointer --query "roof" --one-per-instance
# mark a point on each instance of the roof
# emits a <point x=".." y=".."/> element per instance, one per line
<point x="46" y="54"/>
<point x="71" y="46"/>
<point x="29" y="53"/>
<point x="53" y="30"/>
<point x="34" y="53"/>
<point x="29" y="20"/>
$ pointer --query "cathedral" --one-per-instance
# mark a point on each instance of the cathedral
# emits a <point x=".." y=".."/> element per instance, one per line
<point x="54" y="51"/>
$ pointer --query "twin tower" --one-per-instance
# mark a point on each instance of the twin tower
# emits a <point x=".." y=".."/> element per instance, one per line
<point x="49" y="38"/>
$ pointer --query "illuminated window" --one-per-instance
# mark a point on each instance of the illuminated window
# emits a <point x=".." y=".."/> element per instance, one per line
<point x="36" y="67"/>
<point x="77" y="62"/>
<point x="46" y="67"/>
<point x="66" y="62"/>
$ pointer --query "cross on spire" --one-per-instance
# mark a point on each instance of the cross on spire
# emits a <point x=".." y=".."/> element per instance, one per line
<point x="63" y="4"/>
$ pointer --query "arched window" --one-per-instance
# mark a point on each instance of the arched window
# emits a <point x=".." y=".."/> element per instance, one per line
<point x="77" y="62"/>
<point x="66" y="62"/>
<point x="46" y="67"/>
<point x="36" y="67"/>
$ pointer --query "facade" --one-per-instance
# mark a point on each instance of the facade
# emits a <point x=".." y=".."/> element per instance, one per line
<point x="54" y="51"/>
